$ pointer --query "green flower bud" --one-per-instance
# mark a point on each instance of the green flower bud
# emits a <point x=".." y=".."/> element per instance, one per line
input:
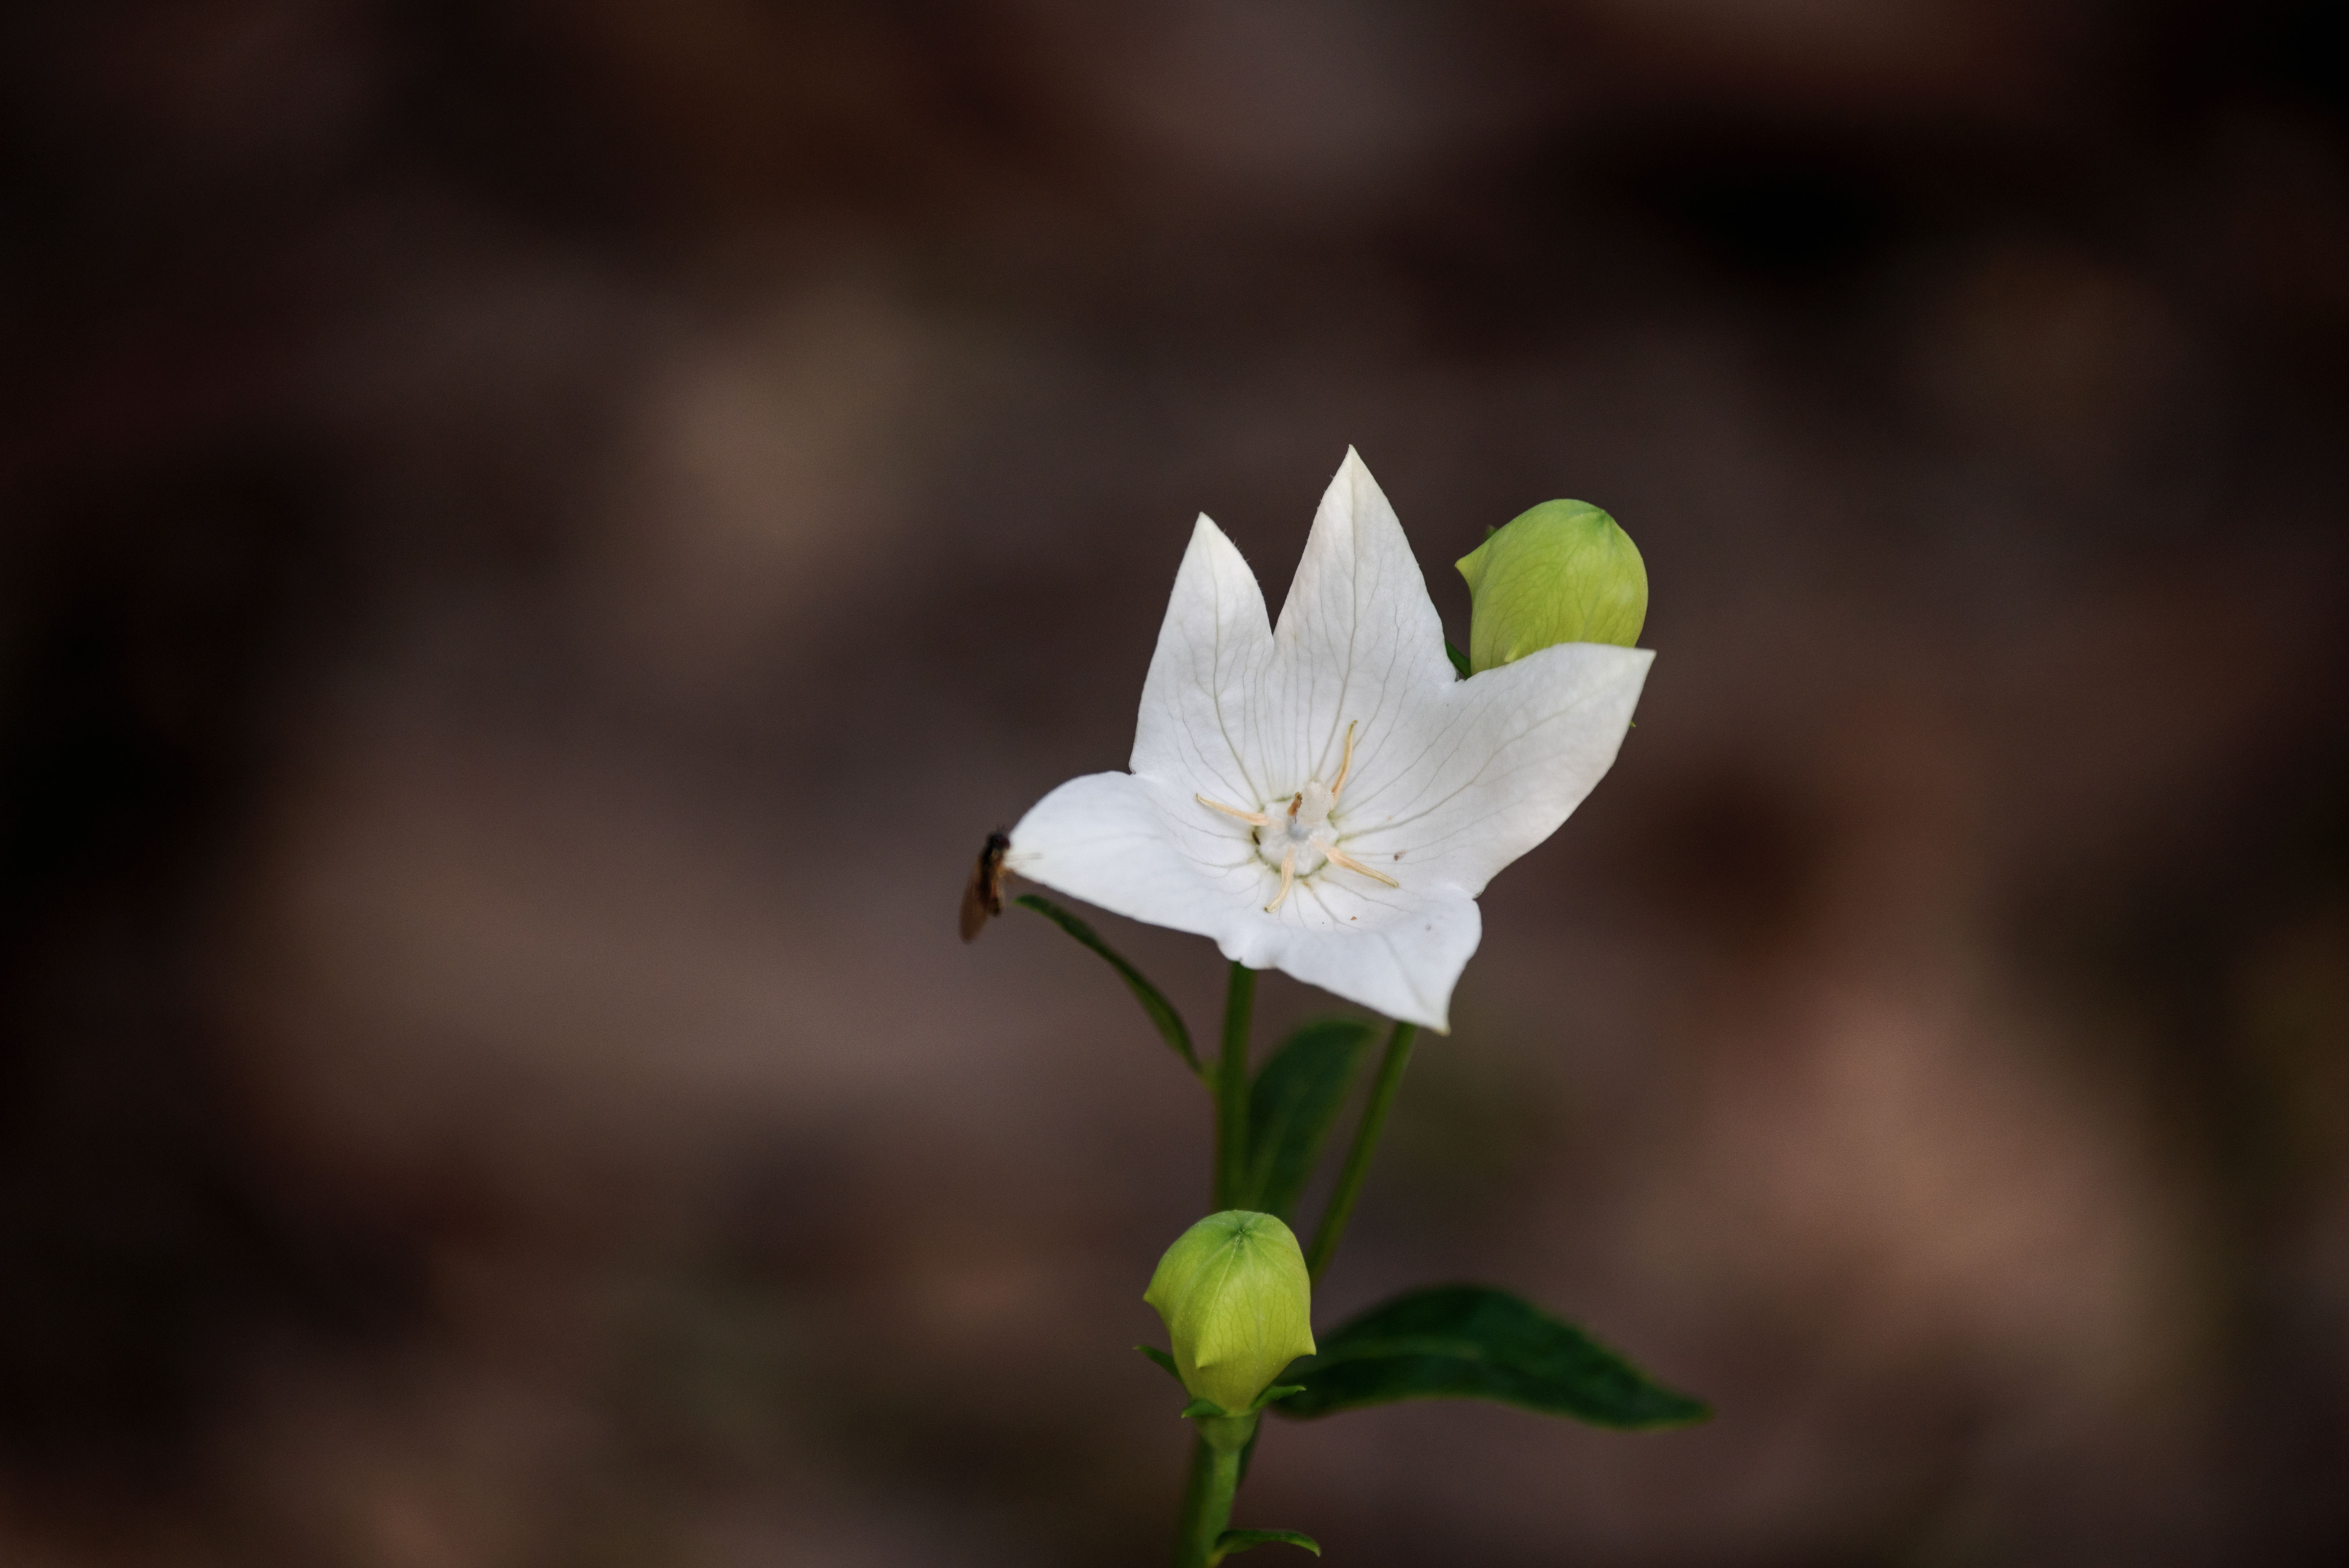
<point x="1238" y="1304"/>
<point x="1562" y="573"/>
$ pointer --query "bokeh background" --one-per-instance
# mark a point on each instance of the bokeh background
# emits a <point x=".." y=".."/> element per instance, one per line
<point x="535" y="540"/>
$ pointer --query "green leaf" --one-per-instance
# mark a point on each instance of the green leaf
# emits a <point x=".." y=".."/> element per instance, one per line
<point x="1198" y="1407"/>
<point x="1232" y="1540"/>
<point x="1459" y="660"/>
<point x="1161" y="1012"/>
<point x="1472" y="1342"/>
<point x="1163" y="1359"/>
<point x="1296" y="1095"/>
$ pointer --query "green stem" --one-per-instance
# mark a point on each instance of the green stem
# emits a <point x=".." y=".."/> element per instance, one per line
<point x="1232" y="1090"/>
<point x="1214" y="1478"/>
<point x="1365" y="1144"/>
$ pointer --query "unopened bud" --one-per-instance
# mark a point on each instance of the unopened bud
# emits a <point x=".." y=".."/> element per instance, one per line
<point x="1237" y="1302"/>
<point x="1563" y="572"/>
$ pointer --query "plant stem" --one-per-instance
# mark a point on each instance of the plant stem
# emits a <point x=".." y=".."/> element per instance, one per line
<point x="1365" y="1144"/>
<point x="1217" y="1456"/>
<point x="1232" y="1091"/>
<point x="1214" y="1478"/>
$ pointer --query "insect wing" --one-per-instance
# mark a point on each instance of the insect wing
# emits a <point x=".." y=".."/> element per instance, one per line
<point x="975" y="912"/>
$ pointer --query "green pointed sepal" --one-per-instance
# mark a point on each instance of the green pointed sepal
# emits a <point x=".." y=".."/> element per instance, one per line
<point x="1208" y="1408"/>
<point x="1232" y="1540"/>
<point x="1277" y="1391"/>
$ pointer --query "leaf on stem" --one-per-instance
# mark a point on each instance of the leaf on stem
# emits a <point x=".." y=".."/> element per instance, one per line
<point x="1161" y="1012"/>
<point x="1232" y="1540"/>
<point x="1472" y="1342"/>
<point x="1296" y="1096"/>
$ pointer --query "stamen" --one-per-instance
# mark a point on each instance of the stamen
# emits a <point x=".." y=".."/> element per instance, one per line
<point x="1298" y="800"/>
<point x="1352" y="865"/>
<point x="1346" y="767"/>
<point x="1254" y="819"/>
<point x="1287" y="879"/>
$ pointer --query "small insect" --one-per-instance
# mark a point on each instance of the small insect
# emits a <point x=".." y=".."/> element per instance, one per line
<point x="983" y="899"/>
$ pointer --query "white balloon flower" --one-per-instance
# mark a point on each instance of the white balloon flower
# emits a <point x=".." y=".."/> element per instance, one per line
<point x="1328" y="797"/>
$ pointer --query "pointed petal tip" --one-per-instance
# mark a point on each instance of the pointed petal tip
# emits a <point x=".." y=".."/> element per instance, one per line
<point x="1208" y="537"/>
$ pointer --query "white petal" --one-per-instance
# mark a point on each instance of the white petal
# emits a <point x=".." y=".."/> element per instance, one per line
<point x="1359" y="640"/>
<point x="1397" y="951"/>
<point x="1200" y="703"/>
<point x="1495" y="767"/>
<point x="1134" y="847"/>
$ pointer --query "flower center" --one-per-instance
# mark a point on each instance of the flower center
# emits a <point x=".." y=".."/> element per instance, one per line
<point x="1300" y="826"/>
<point x="1297" y="836"/>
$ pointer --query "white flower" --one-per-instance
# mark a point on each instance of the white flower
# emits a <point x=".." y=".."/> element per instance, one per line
<point x="1328" y="798"/>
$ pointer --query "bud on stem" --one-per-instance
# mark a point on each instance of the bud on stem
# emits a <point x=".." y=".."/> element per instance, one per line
<point x="1563" y="572"/>
<point x="1238" y="1304"/>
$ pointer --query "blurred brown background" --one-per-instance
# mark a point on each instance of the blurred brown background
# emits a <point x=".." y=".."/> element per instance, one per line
<point x="538" y="538"/>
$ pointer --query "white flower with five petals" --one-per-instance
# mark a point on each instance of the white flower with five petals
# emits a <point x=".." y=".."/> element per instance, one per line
<point x="1326" y="797"/>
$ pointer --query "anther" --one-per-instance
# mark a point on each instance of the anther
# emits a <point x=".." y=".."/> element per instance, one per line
<point x="1345" y="766"/>
<point x="1298" y="800"/>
